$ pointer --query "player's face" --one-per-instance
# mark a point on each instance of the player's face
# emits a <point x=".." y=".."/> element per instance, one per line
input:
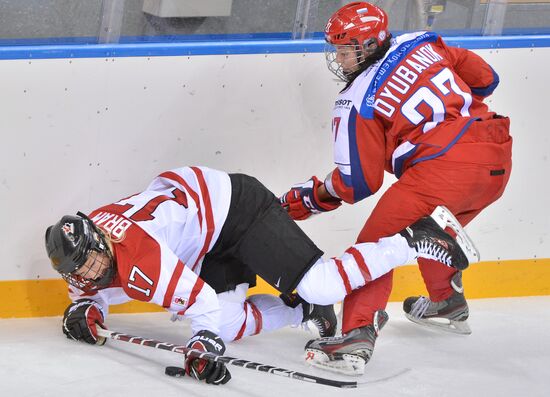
<point x="95" y="267"/>
<point x="346" y="56"/>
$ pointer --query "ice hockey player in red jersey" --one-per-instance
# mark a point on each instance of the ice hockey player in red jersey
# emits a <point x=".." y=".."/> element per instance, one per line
<point x="412" y="106"/>
<point x="193" y="242"/>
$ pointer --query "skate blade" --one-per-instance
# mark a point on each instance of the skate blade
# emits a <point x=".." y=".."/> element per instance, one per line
<point x="445" y="218"/>
<point x="350" y="364"/>
<point x="452" y="326"/>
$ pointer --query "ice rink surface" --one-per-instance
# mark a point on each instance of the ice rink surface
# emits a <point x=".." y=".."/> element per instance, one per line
<point x="508" y="354"/>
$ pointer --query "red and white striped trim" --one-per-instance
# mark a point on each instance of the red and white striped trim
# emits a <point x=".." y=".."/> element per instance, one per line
<point x="343" y="274"/>
<point x="257" y="320"/>
<point x="210" y="226"/>
<point x="360" y="260"/>
<point x="193" y="296"/>
<point x="205" y="198"/>
<point x="178" y="179"/>
<point x="168" y="295"/>
<point x="243" y="327"/>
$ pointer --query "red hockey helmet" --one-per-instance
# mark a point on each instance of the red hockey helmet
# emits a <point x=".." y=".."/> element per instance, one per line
<point x="355" y="31"/>
<point x="361" y="22"/>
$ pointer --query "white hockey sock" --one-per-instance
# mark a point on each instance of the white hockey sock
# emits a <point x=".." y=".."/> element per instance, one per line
<point x="275" y="313"/>
<point x="329" y="281"/>
<point x="242" y="317"/>
<point x="385" y="255"/>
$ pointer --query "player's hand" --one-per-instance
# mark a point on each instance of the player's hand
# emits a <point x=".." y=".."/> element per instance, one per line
<point x="302" y="200"/>
<point x="81" y="319"/>
<point x="212" y="372"/>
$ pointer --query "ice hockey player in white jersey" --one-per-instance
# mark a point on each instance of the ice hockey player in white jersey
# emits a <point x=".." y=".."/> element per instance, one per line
<point x="194" y="241"/>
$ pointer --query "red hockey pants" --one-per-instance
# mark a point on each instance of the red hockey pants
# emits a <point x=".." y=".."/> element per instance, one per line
<point x="469" y="177"/>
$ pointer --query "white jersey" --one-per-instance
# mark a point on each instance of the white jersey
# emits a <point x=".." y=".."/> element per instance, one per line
<point x="160" y="237"/>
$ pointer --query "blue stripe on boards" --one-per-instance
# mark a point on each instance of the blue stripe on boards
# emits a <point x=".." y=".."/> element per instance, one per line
<point x="145" y="46"/>
<point x="160" y="49"/>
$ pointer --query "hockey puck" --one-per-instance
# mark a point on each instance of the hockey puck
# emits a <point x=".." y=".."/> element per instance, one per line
<point x="174" y="371"/>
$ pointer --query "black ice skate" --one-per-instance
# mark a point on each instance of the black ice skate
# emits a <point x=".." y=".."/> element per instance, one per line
<point x="428" y="237"/>
<point x="347" y="354"/>
<point x="323" y="317"/>
<point x="448" y="315"/>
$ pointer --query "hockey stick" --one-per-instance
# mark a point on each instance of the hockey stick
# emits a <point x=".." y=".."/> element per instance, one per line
<point x="105" y="333"/>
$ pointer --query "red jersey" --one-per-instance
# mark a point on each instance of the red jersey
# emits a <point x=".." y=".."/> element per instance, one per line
<point x="412" y="105"/>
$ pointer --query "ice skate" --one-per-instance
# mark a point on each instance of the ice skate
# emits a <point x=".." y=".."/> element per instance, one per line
<point x="448" y="315"/>
<point x="347" y="354"/>
<point x="428" y="237"/>
<point x="323" y="317"/>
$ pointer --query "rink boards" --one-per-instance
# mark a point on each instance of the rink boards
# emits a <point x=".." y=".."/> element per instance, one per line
<point x="80" y="132"/>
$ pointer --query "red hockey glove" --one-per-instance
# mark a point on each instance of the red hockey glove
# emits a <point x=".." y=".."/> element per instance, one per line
<point x="81" y="319"/>
<point x="302" y="200"/>
<point x="212" y="372"/>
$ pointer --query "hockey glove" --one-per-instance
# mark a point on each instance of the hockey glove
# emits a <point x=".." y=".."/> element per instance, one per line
<point x="302" y="200"/>
<point x="210" y="371"/>
<point x="81" y="319"/>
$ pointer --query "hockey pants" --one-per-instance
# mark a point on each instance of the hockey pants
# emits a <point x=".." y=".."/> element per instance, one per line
<point x="468" y="178"/>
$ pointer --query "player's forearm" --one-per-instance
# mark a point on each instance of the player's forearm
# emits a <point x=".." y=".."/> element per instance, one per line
<point x="324" y="195"/>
